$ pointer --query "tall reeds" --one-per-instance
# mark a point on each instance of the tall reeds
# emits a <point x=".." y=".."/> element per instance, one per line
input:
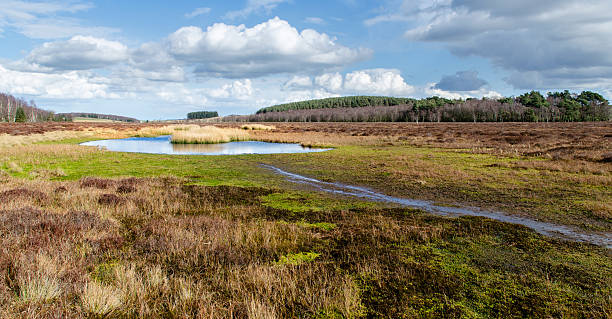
<point x="209" y="135"/>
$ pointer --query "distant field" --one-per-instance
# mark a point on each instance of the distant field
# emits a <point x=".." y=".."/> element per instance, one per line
<point x="86" y="232"/>
<point x="88" y="119"/>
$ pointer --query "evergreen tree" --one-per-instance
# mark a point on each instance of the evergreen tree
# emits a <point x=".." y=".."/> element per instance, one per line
<point x="20" y="116"/>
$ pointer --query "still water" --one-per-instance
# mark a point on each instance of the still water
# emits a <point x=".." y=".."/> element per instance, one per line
<point x="162" y="145"/>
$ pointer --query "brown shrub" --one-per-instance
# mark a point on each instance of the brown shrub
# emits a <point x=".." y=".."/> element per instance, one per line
<point x="36" y="228"/>
<point x="99" y="183"/>
<point x="606" y="158"/>
<point x="22" y="193"/>
<point x="110" y="200"/>
<point x="61" y="189"/>
<point x="126" y="189"/>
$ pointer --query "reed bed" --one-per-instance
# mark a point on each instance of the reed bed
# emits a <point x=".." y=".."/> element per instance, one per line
<point x="165" y="130"/>
<point x="209" y="135"/>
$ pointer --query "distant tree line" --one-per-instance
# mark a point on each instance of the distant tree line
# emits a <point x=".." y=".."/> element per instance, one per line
<point x="529" y="107"/>
<point x="202" y="115"/>
<point x="335" y="102"/>
<point x="70" y="116"/>
<point x="13" y="109"/>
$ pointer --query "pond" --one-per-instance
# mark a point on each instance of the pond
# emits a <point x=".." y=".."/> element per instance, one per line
<point x="162" y="145"/>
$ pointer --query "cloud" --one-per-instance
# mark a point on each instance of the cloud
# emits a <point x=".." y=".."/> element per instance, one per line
<point x="197" y="12"/>
<point x="70" y="85"/>
<point x="254" y="6"/>
<point x="153" y="62"/>
<point x="330" y="81"/>
<point x="298" y="82"/>
<point x="44" y="20"/>
<point x="268" y="48"/>
<point x="432" y="90"/>
<point x="77" y="53"/>
<point x="378" y="82"/>
<point x="536" y="41"/>
<point x="178" y="94"/>
<point x="238" y="90"/>
<point x="315" y="20"/>
<point x="361" y="82"/>
<point x="461" y="81"/>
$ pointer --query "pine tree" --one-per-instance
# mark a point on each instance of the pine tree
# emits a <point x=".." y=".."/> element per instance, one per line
<point x="20" y="116"/>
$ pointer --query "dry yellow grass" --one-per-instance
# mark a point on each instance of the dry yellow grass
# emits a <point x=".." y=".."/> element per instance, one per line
<point x="99" y="299"/>
<point x="7" y="140"/>
<point x="258" y="127"/>
<point x="209" y="135"/>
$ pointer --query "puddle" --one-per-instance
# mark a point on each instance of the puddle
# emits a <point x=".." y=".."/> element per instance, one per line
<point x="548" y="229"/>
<point x="162" y="145"/>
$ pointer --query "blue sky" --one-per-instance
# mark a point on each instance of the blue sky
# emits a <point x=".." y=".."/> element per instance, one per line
<point x="161" y="59"/>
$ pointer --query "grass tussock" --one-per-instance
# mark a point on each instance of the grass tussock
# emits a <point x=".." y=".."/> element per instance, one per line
<point x="39" y="289"/>
<point x="209" y="135"/>
<point x="99" y="299"/>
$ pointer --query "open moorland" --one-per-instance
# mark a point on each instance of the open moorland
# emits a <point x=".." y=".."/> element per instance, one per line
<point x="86" y="232"/>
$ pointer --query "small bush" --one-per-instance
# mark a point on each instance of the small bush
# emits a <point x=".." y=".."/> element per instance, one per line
<point x="22" y="193"/>
<point x="110" y="200"/>
<point x="98" y="183"/>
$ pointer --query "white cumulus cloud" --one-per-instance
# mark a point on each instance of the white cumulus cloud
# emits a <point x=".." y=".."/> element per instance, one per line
<point x="377" y="82"/>
<point x="237" y="90"/>
<point x="70" y="85"/>
<point x="268" y="48"/>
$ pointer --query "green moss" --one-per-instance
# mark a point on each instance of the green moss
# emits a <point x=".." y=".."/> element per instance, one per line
<point x="321" y="226"/>
<point x="300" y="202"/>
<point x="105" y="272"/>
<point x="297" y="259"/>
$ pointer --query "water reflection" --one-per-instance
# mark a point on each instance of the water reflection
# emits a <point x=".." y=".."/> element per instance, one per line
<point x="196" y="148"/>
<point x="162" y="145"/>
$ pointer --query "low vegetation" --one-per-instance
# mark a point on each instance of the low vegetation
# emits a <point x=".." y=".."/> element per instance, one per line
<point x="91" y="233"/>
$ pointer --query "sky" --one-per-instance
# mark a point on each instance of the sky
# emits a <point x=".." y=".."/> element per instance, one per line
<point x="159" y="59"/>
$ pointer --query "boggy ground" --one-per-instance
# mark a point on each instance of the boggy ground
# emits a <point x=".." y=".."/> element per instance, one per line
<point x="555" y="172"/>
<point x="159" y="247"/>
<point x="90" y="233"/>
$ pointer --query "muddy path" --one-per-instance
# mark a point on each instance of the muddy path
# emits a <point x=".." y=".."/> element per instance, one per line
<point x="548" y="229"/>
